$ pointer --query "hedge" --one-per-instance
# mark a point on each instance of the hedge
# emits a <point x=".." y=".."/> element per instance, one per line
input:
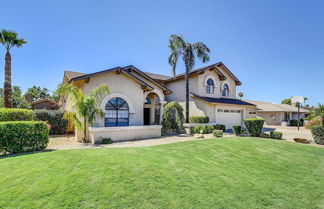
<point x="200" y="129"/>
<point x="15" y="114"/>
<point x="295" y="122"/>
<point x="318" y="134"/>
<point x="198" y="119"/>
<point x="23" y="136"/>
<point x="54" y="118"/>
<point x="237" y="130"/>
<point x="276" y="134"/>
<point x="254" y="126"/>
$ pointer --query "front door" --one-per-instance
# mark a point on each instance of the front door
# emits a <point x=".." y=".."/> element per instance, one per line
<point x="147" y="116"/>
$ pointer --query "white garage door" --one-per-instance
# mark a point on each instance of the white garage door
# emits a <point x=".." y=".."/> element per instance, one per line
<point x="228" y="116"/>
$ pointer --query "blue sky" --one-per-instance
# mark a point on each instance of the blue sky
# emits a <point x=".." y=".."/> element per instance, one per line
<point x="276" y="48"/>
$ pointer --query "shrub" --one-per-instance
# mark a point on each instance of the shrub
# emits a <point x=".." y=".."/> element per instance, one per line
<point x="318" y="134"/>
<point x="54" y="118"/>
<point x="295" y="122"/>
<point x="314" y="122"/>
<point x="15" y="114"/>
<point x="203" y="130"/>
<point x="220" y="127"/>
<point x="198" y="119"/>
<point x="107" y="140"/>
<point x="276" y="134"/>
<point x="23" y="136"/>
<point x="218" y="133"/>
<point x="172" y="118"/>
<point x="237" y="130"/>
<point x="254" y="126"/>
<point x="210" y="129"/>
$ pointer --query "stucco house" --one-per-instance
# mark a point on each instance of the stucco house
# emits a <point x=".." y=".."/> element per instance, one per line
<point x="133" y="109"/>
<point x="277" y="114"/>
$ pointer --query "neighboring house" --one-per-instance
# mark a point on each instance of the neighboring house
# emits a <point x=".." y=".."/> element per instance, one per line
<point x="133" y="109"/>
<point x="44" y="104"/>
<point x="277" y="114"/>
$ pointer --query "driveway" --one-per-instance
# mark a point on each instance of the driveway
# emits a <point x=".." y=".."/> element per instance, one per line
<point x="290" y="132"/>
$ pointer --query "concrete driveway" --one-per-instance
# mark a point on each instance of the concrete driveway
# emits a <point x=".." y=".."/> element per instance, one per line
<point x="290" y="132"/>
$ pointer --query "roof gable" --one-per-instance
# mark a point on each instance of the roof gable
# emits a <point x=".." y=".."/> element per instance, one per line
<point x="130" y="71"/>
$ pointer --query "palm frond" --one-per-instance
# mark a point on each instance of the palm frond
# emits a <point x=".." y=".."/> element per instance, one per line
<point x="9" y="39"/>
<point x="188" y="56"/>
<point x="71" y="116"/>
<point x="99" y="93"/>
<point x="202" y="51"/>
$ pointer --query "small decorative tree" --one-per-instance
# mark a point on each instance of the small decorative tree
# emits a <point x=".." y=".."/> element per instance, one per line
<point x="168" y="120"/>
<point x="240" y="95"/>
<point x="85" y="106"/>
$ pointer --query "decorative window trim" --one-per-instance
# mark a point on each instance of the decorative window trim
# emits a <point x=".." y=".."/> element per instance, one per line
<point x="120" y="95"/>
<point x="222" y="89"/>
<point x="205" y="83"/>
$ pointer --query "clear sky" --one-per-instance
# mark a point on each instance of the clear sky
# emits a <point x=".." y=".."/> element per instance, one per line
<point x="276" y="48"/>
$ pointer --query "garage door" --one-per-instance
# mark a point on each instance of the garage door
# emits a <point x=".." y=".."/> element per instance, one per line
<point x="228" y="117"/>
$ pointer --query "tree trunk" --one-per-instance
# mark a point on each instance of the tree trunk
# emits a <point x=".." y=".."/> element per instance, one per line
<point x="187" y="93"/>
<point x="84" y="130"/>
<point x="7" y="82"/>
<point x="323" y="121"/>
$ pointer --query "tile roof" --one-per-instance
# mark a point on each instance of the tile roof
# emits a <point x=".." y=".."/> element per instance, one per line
<point x="72" y="74"/>
<point x="158" y="76"/>
<point x="223" y="100"/>
<point x="270" y="107"/>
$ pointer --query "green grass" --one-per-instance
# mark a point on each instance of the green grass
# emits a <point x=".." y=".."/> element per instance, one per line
<point x="213" y="173"/>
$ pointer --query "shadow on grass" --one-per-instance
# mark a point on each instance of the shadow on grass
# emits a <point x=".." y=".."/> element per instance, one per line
<point x="2" y="156"/>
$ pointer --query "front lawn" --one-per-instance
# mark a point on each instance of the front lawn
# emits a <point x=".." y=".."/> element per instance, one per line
<point x="212" y="173"/>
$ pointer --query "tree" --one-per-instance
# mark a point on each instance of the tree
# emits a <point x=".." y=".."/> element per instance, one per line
<point x="317" y="113"/>
<point x="38" y="93"/>
<point x="9" y="39"/>
<point x="286" y="101"/>
<point x="188" y="51"/>
<point x="85" y="106"/>
<point x="56" y="94"/>
<point x="18" y="100"/>
<point x="240" y="95"/>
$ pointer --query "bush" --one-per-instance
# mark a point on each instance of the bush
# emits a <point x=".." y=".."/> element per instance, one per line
<point x="254" y="126"/>
<point x="237" y="130"/>
<point x="23" y="136"/>
<point x="220" y="127"/>
<point x="203" y="130"/>
<point x="210" y="129"/>
<point x="107" y="140"/>
<point x="295" y="122"/>
<point x="15" y="114"/>
<point x="276" y="134"/>
<point x="218" y="133"/>
<point x="318" y="134"/>
<point x="54" y="118"/>
<point x="198" y="119"/>
<point x="314" y="122"/>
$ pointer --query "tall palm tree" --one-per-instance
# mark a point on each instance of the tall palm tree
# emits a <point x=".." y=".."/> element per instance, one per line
<point x="9" y="40"/>
<point x="85" y="106"/>
<point x="189" y="52"/>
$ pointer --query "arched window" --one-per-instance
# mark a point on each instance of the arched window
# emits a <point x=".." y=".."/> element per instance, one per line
<point x="116" y="112"/>
<point x="210" y="86"/>
<point x="225" y="90"/>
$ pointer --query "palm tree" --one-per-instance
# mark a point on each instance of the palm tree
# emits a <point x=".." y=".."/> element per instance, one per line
<point x="188" y="51"/>
<point x="9" y="40"/>
<point x="320" y="112"/>
<point x="85" y="106"/>
<point x="240" y="95"/>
